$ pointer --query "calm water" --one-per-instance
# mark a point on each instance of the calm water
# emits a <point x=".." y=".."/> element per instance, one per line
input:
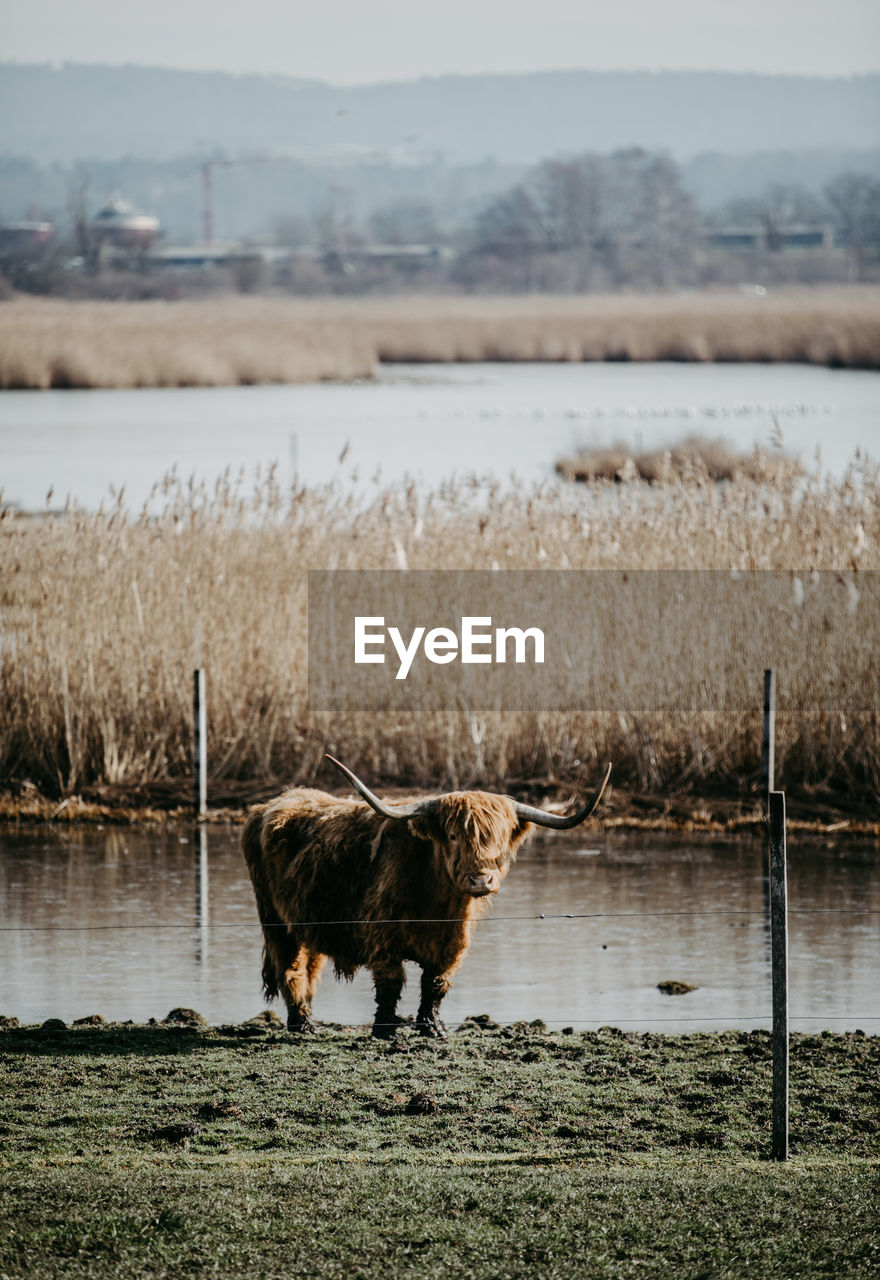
<point x="665" y="908"/>
<point x="429" y="421"/>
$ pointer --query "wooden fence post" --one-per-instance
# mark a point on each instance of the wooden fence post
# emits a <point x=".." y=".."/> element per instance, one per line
<point x="768" y="743"/>
<point x="200" y="752"/>
<point x="779" y="945"/>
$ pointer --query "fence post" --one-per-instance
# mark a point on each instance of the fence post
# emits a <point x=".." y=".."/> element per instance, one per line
<point x="768" y="742"/>
<point x="200" y="752"/>
<point x="779" y="945"/>
<point x="201" y="858"/>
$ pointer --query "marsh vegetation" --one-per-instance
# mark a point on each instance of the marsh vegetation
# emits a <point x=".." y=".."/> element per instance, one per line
<point x="230" y="341"/>
<point x="107" y="614"/>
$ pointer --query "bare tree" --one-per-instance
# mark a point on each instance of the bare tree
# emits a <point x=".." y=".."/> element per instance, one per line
<point x="854" y="200"/>
<point x="624" y="217"/>
<point x="406" y="222"/>
<point x="567" y="195"/>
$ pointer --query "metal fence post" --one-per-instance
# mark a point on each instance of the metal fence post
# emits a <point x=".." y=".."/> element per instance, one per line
<point x="779" y="944"/>
<point x="201" y="860"/>
<point x="768" y="742"/>
<point x="200" y="751"/>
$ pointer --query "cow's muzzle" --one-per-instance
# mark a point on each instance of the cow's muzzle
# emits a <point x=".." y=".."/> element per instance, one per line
<point x="479" y="884"/>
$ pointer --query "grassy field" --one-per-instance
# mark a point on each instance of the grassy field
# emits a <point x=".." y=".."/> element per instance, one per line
<point x="170" y="1150"/>
<point x="234" y="340"/>
<point x="106" y="615"/>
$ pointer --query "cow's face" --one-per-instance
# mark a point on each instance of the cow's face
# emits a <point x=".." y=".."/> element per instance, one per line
<point x="475" y="836"/>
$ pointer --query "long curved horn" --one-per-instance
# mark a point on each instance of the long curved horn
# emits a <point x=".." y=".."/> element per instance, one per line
<point x="401" y="811"/>
<point x="563" y="822"/>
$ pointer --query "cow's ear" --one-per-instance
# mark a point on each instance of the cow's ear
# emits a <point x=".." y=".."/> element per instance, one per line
<point x="519" y="834"/>
<point x="423" y="827"/>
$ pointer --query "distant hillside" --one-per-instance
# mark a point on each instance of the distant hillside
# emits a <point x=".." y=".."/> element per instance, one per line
<point x="105" y="113"/>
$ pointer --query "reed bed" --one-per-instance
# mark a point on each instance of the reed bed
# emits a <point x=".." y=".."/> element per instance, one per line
<point x="105" y="616"/>
<point x="698" y="454"/>
<point x="232" y="340"/>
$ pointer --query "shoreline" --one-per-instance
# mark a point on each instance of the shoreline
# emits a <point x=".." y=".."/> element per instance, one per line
<point x="630" y="813"/>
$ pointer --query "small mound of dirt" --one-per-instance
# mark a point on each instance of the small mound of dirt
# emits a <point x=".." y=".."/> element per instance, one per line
<point x="220" y="1111"/>
<point x="91" y="1020"/>
<point x="184" y="1018"/>
<point x="421" y="1104"/>
<point x="721" y="1078"/>
<point x="177" y="1132"/>
<point x="269" y="1018"/>
<point x="482" y="1020"/>
<point x="259" y="1025"/>
<point x="54" y="1024"/>
<point x="674" y="988"/>
<point x="8" y="1023"/>
<point x="567" y="1131"/>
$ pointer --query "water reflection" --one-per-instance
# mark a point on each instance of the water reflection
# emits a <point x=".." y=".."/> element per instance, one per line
<point x="201" y="866"/>
<point x="121" y="922"/>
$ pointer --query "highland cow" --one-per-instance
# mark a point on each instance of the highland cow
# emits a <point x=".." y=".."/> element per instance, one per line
<point x="372" y="885"/>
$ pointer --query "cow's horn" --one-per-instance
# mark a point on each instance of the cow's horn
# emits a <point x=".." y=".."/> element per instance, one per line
<point x="561" y="821"/>
<point x="401" y="811"/>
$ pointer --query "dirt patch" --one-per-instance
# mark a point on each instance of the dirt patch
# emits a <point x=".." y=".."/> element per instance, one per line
<point x="421" y="1104"/>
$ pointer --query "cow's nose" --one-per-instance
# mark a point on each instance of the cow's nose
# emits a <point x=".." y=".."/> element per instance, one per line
<point x="480" y="883"/>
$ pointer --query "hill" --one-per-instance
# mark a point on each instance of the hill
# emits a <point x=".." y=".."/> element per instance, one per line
<point x="101" y="112"/>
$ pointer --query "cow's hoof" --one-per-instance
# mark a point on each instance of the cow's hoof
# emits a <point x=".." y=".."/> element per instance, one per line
<point x="302" y="1026"/>
<point x="431" y="1027"/>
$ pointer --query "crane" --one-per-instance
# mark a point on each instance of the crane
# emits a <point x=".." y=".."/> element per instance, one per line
<point x="207" y="169"/>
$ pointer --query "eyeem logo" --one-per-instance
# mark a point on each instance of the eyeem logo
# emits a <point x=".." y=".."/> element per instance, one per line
<point x="442" y="645"/>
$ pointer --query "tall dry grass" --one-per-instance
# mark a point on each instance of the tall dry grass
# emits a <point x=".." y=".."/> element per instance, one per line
<point x="105" y="616"/>
<point x="694" y="454"/>
<point x="57" y="343"/>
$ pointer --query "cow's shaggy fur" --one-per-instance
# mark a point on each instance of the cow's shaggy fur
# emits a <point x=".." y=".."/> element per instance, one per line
<point x="334" y="879"/>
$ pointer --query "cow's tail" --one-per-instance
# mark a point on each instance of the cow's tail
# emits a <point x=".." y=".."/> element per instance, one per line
<point x="251" y="843"/>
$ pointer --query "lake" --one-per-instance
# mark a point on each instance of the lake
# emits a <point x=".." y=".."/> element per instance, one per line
<point x="130" y="922"/>
<point x="427" y="421"/>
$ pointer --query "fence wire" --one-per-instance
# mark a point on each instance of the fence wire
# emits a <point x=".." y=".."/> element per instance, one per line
<point x="491" y="920"/>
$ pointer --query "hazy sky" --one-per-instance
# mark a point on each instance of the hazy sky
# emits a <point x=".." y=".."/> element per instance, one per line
<point x="360" y="41"/>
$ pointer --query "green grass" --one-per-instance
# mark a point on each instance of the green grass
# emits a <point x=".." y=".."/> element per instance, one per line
<point x="153" y="1151"/>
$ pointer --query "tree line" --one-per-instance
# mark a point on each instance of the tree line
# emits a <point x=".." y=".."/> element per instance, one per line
<point x="595" y="222"/>
<point x="583" y="223"/>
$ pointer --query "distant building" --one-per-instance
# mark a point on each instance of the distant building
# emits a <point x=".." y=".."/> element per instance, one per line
<point x="118" y="225"/>
<point x="24" y="239"/>
<point x="192" y="257"/>
<point x="743" y="238"/>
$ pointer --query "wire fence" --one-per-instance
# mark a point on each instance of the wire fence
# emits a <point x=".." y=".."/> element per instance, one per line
<point x="408" y="920"/>
<point x="645" y="1021"/>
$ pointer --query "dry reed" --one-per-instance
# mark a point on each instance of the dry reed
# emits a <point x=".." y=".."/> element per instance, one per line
<point x="694" y="455"/>
<point x="105" y="616"/>
<point x="57" y="343"/>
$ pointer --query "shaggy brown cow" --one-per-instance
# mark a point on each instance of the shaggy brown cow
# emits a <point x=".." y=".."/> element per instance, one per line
<point x="373" y="885"/>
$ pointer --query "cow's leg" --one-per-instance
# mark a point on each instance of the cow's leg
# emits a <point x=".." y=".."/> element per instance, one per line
<point x="316" y="963"/>
<point x="388" y="981"/>
<point x="434" y="988"/>
<point x="300" y="979"/>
